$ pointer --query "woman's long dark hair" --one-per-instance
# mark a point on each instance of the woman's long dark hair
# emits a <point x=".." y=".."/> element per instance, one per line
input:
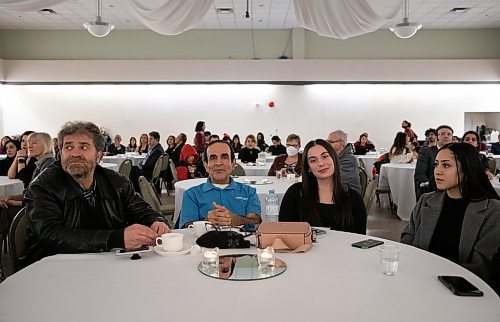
<point x="344" y="218"/>
<point x="399" y="144"/>
<point x="260" y="141"/>
<point x="478" y="140"/>
<point x="199" y="126"/>
<point x="474" y="183"/>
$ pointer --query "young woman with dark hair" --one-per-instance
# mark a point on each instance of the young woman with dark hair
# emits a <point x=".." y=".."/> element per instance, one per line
<point x="236" y="145"/>
<point x="460" y="221"/>
<point x="363" y="145"/>
<point x="261" y="142"/>
<point x="143" y="146"/>
<point x="10" y="147"/>
<point x="132" y="144"/>
<point x="249" y="153"/>
<point x="472" y="138"/>
<point x="320" y="198"/>
<point x="170" y="145"/>
<point x="199" y="139"/>
<point x="399" y="152"/>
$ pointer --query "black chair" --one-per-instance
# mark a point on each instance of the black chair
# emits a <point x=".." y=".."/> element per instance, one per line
<point x="17" y="239"/>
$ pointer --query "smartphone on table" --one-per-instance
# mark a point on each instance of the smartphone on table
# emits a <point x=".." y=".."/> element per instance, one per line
<point x="367" y="243"/>
<point x="142" y="249"/>
<point x="460" y="286"/>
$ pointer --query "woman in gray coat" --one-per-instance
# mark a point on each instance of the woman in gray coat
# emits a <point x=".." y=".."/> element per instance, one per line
<point x="461" y="221"/>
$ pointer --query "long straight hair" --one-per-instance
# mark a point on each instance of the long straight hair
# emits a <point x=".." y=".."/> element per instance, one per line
<point x="399" y="145"/>
<point x="473" y="182"/>
<point x="343" y="219"/>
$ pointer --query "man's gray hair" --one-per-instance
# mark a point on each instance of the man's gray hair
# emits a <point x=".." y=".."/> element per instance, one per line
<point x="293" y="137"/>
<point x="80" y="127"/>
<point x="342" y="135"/>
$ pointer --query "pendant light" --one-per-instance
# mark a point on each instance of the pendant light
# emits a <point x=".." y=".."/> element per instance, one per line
<point x="405" y="29"/>
<point x="99" y="28"/>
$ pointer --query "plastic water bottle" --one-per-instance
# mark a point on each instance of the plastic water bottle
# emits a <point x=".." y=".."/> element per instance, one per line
<point x="272" y="206"/>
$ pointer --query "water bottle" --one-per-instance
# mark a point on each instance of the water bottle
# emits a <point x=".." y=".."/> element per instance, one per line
<point x="272" y="206"/>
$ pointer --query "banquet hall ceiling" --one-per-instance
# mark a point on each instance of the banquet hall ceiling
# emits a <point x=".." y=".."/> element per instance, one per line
<point x="264" y="14"/>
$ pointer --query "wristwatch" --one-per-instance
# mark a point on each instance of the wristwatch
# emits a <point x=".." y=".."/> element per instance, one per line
<point x="21" y="160"/>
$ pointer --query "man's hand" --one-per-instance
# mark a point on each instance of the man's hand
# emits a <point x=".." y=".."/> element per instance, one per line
<point x="3" y="202"/>
<point x="137" y="235"/>
<point x="220" y="215"/>
<point x="160" y="228"/>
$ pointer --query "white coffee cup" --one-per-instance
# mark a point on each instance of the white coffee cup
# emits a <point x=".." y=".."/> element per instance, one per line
<point x="200" y="227"/>
<point x="170" y="242"/>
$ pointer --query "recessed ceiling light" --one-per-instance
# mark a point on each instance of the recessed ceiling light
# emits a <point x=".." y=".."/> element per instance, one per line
<point x="459" y="10"/>
<point x="224" y="11"/>
<point x="47" y="12"/>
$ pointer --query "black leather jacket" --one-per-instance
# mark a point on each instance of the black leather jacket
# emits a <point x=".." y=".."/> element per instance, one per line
<point x="54" y="205"/>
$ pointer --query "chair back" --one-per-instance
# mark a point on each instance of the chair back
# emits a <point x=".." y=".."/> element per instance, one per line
<point x="492" y="165"/>
<point x="363" y="179"/>
<point x="173" y="170"/>
<point x="17" y="239"/>
<point x="157" y="170"/>
<point x="165" y="158"/>
<point x="238" y="171"/>
<point x="125" y="168"/>
<point x="148" y="193"/>
<point x="370" y="192"/>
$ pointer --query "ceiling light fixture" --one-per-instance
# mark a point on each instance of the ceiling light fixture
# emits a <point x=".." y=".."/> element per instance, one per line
<point x="99" y="28"/>
<point x="406" y="29"/>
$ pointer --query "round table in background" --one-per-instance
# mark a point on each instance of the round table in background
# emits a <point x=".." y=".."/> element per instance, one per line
<point x="331" y="282"/>
<point x="10" y="187"/>
<point x="256" y="170"/>
<point x="366" y="161"/>
<point x="280" y="187"/>
<point x="399" y="177"/>
<point x="118" y="159"/>
<point x="112" y="166"/>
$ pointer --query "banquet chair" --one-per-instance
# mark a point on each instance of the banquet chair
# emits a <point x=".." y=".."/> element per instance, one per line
<point x="369" y="193"/>
<point x="385" y="190"/>
<point x="165" y="167"/>
<point x="492" y="165"/>
<point x="363" y="179"/>
<point x="238" y="171"/>
<point x="17" y="239"/>
<point x="155" y="177"/>
<point x="125" y="168"/>
<point x="173" y="170"/>
<point x="149" y="195"/>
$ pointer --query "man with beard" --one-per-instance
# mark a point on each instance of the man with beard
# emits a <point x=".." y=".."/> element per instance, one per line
<point x="77" y="206"/>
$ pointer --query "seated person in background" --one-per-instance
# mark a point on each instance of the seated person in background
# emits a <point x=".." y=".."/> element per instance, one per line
<point x="292" y="160"/>
<point x="170" y="145"/>
<point x="483" y="147"/>
<point x="220" y="200"/>
<point x="424" y="169"/>
<point x="320" y="199"/>
<point x="55" y="146"/>
<point x="236" y="145"/>
<point x="249" y="153"/>
<point x="187" y="165"/>
<point x="4" y="140"/>
<point x="180" y="141"/>
<point x="495" y="147"/>
<point x="261" y="142"/>
<point x="430" y="137"/>
<point x="277" y="148"/>
<point x="76" y="206"/>
<point x="455" y="139"/>
<point x="21" y="161"/>
<point x="132" y="145"/>
<point x="461" y="221"/>
<point x="414" y="148"/>
<point x="399" y="152"/>
<point x="155" y="151"/>
<point x="348" y="162"/>
<point x="472" y="138"/>
<point x="143" y="144"/>
<point x="213" y="138"/>
<point x="363" y="145"/>
<point x="227" y="139"/>
<point x="117" y="147"/>
<point x="11" y="147"/>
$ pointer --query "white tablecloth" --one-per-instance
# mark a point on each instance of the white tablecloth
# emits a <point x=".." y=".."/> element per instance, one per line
<point x="497" y="160"/>
<point x="118" y="159"/>
<point x="256" y="170"/>
<point x="399" y="177"/>
<point x="10" y="187"/>
<point x="331" y="282"/>
<point x="3" y="156"/>
<point x="367" y="160"/>
<point x="279" y="186"/>
<point x="496" y="185"/>
<point x="112" y="166"/>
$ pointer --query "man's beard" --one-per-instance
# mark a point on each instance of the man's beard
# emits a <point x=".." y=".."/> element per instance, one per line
<point x="78" y="167"/>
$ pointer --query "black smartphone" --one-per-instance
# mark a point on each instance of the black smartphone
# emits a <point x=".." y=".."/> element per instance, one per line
<point x="460" y="286"/>
<point x="142" y="249"/>
<point x="367" y="243"/>
<point x="318" y="231"/>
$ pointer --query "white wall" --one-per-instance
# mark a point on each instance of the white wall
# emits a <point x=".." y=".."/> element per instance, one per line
<point x="310" y="111"/>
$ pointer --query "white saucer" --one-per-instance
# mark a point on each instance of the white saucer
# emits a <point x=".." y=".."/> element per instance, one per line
<point x="185" y="249"/>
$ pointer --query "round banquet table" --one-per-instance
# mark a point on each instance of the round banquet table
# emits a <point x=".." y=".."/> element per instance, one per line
<point x="367" y="160"/>
<point x="256" y="170"/>
<point x="331" y="282"/>
<point x="111" y="166"/>
<point x="279" y="186"/>
<point x="118" y="159"/>
<point x="10" y="187"/>
<point x="399" y="177"/>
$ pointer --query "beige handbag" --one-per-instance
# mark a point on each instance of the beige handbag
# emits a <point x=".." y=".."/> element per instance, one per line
<point x="292" y="237"/>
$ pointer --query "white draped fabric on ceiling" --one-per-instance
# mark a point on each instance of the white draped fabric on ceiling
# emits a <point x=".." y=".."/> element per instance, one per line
<point x="340" y="19"/>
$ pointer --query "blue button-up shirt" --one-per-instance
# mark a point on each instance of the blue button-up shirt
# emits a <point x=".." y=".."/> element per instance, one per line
<point x="240" y="199"/>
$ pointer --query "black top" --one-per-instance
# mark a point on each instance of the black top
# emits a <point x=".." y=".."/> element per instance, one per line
<point x="175" y="156"/>
<point x="248" y="155"/>
<point x="293" y="209"/>
<point x="277" y="150"/>
<point x="26" y="173"/>
<point x="5" y="165"/>
<point x="446" y="237"/>
<point x="262" y="146"/>
<point x="113" y="150"/>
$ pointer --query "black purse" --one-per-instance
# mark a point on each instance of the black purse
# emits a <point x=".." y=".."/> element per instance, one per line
<point x="223" y="240"/>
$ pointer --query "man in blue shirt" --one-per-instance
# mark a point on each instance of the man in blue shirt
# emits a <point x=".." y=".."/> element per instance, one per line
<point x="220" y="200"/>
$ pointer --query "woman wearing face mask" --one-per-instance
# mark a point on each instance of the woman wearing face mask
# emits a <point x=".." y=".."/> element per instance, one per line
<point x="320" y="199"/>
<point x="460" y="221"/>
<point x="11" y="147"/>
<point x="472" y="138"/>
<point x="249" y="153"/>
<point x="292" y="160"/>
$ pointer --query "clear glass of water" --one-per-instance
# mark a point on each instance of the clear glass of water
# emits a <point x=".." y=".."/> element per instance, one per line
<point x="210" y="261"/>
<point x="389" y="257"/>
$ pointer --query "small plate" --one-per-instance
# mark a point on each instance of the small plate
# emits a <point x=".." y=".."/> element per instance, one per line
<point x="185" y="249"/>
